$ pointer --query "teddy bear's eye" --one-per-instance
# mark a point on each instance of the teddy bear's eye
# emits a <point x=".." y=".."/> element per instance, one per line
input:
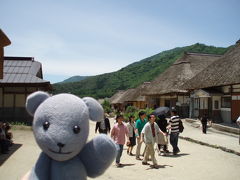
<point x="46" y="125"/>
<point x="76" y="129"/>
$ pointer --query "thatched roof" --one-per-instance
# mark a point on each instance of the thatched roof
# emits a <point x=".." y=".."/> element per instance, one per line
<point x="133" y="95"/>
<point x="128" y="95"/>
<point x="225" y="71"/>
<point x="185" y="68"/>
<point x="116" y="98"/>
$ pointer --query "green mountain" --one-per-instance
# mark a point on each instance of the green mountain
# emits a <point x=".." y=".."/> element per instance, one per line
<point x="105" y="85"/>
<point x="74" y="79"/>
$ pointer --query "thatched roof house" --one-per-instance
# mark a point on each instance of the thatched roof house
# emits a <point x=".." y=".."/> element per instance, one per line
<point x="116" y="98"/>
<point x="135" y="94"/>
<point x="128" y="95"/>
<point x="185" y="68"/>
<point x="224" y="71"/>
<point x="131" y="97"/>
<point x="222" y="76"/>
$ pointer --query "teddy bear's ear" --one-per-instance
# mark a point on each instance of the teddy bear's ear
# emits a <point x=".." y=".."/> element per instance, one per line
<point x="95" y="109"/>
<point x="34" y="100"/>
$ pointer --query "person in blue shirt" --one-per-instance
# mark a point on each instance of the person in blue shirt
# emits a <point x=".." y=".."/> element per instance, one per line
<point x="141" y="121"/>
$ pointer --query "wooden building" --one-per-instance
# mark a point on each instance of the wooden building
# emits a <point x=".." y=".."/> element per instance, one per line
<point x="216" y="90"/>
<point x="116" y="100"/>
<point x="21" y="76"/>
<point x="134" y="97"/>
<point x="4" y="41"/>
<point x="130" y="97"/>
<point x="166" y="89"/>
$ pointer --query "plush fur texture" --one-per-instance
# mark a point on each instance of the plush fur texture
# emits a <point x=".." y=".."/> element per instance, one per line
<point x="61" y="128"/>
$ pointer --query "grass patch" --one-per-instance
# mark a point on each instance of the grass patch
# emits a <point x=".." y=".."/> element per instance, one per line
<point x="20" y="126"/>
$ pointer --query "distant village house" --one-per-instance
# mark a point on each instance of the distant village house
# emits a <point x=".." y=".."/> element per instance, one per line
<point x="216" y="89"/>
<point x="166" y="89"/>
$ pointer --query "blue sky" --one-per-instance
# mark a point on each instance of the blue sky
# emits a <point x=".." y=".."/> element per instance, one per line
<point x="75" y="37"/>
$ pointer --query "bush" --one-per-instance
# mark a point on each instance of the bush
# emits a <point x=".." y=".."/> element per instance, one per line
<point x="107" y="106"/>
<point x="16" y="123"/>
<point x="133" y="111"/>
<point x="130" y="111"/>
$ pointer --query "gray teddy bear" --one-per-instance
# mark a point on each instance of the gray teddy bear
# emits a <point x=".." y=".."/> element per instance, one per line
<point x="61" y="128"/>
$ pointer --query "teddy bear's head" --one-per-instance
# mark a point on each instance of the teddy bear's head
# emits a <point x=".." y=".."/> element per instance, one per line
<point x="61" y="122"/>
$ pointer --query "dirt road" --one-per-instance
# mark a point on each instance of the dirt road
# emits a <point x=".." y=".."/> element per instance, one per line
<point x="194" y="162"/>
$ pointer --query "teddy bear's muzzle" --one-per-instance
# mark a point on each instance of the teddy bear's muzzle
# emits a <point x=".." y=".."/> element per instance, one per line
<point x="60" y="145"/>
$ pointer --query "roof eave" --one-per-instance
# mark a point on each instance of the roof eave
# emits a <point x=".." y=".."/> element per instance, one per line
<point x="5" y="41"/>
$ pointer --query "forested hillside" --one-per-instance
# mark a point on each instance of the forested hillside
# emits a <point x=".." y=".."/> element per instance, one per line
<point x="74" y="79"/>
<point x="131" y="76"/>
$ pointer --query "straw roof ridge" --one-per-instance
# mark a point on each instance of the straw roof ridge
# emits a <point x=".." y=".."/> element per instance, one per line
<point x="185" y="68"/>
<point x="129" y="94"/>
<point x="134" y="94"/>
<point x="224" y="71"/>
<point x="115" y="99"/>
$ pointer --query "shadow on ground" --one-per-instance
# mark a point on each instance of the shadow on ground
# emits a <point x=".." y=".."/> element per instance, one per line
<point x="158" y="166"/>
<point x="12" y="149"/>
<point x="177" y="155"/>
<point x="123" y="165"/>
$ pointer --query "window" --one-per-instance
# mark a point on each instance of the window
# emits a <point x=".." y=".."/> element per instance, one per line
<point x="226" y="102"/>
<point x="196" y="103"/>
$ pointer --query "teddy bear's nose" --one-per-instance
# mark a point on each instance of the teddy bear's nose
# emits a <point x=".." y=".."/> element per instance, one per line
<point x="60" y="145"/>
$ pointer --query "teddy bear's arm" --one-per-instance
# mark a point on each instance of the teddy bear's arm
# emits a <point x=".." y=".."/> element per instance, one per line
<point x="98" y="154"/>
<point x="41" y="170"/>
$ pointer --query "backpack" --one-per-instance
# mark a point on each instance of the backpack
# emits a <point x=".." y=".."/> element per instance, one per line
<point x="181" y="127"/>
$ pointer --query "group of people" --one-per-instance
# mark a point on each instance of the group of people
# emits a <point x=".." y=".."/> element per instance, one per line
<point x="146" y="130"/>
<point x="5" y="137"/>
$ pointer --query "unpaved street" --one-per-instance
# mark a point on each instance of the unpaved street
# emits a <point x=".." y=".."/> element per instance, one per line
<point x="194" y="162"/>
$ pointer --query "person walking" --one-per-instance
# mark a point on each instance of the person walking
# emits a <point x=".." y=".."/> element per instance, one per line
<point x="204" y="121"/>
<point x="132" y="138"/>
<point x="139" y="126"/>
<point x="174" y="126"/>
<point x="118" y="133"/>
<point x="162" y="140"/>
<point x="103" y="126"/>
<point x="150" y="137"/>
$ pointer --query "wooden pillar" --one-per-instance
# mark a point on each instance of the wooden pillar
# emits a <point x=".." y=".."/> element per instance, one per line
<point x="1" y="62"/>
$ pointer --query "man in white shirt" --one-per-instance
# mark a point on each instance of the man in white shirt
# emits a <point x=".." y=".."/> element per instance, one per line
<point x="150" y="137"/>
